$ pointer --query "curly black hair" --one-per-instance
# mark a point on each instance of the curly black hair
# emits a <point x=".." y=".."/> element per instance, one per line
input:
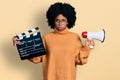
<point x="61" y="8"/>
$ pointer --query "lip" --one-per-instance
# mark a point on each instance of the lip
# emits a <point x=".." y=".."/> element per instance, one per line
<point x="59" y="28"/>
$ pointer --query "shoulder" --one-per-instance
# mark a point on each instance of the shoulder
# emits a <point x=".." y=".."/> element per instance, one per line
<point x="47" y="35"/>
<point x="74" y="34"/>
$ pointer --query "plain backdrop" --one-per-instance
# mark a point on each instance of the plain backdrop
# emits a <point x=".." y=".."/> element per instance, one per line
<point x="17" y="16"/>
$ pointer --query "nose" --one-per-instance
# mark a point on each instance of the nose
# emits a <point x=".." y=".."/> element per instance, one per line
<point x="60" y="23"/>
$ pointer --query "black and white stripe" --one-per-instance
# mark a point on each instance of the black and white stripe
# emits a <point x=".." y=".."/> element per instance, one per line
<point x="20" y="36"/>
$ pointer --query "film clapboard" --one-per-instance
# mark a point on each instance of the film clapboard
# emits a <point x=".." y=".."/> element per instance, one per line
<point x="30" y="44"/>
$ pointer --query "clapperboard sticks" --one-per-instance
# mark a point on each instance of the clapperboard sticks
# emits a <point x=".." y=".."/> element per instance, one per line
<point x="30" y="45"/>
<point x="20" y="36"/>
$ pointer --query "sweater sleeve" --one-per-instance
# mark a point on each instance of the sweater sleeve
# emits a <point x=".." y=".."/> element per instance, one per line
<point x="82" y="53"/>
<point x="38" y="59"/>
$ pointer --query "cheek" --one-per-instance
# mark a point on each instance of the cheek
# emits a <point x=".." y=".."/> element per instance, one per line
<point x="65" y="25"/>
<point x="56" y="25"/>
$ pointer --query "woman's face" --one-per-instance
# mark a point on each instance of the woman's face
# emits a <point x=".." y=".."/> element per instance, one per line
<point x="61" y="22"/>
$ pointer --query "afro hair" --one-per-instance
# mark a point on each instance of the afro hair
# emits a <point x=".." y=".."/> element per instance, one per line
<point x="61" y="8"/>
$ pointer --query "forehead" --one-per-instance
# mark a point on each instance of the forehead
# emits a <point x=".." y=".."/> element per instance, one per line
<point x="60" y="16"/>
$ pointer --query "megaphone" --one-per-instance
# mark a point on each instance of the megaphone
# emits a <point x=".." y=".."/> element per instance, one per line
<point x="98" y="35"/>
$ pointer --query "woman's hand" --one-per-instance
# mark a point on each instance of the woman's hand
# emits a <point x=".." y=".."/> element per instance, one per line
<point x="90" y="43"/>
<point x="15" y="41"/>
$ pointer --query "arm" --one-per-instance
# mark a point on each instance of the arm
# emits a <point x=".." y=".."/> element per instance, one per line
<point x="83" y="52"/>
<point x="39" y="58"/>
<point x="83" y="55"/>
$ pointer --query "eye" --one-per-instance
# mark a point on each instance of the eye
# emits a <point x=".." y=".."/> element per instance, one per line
<point x="57" y="20"/>
<point x="63" y="20"/>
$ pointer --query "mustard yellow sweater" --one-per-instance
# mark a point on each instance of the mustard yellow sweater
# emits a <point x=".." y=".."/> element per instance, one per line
<point x="64" y="51"/>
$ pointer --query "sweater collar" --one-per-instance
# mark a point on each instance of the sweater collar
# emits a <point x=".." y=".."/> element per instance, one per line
<point x="61" y="32"/>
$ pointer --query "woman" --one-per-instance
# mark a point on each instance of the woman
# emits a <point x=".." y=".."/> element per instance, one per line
<point x="64" y="48"/>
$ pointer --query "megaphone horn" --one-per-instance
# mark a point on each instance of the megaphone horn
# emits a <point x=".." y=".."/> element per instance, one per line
<point x="99" y="35"/>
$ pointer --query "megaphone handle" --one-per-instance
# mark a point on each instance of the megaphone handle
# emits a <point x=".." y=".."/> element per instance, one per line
<point x="91" y="46"/>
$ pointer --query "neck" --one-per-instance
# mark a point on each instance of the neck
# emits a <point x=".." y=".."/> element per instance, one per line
<point x="64" y="31"/>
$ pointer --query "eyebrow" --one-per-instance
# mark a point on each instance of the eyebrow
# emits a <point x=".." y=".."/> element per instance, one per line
<point x="60" y="19"/>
